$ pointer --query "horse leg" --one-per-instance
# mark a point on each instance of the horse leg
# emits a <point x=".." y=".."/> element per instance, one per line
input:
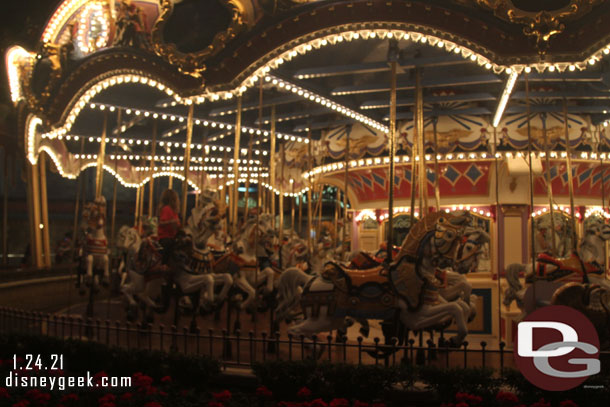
<point x="267" y="274"/>
<point x="128" y="291"/>
<point x="245" y="286"/>
<point x="106" y="267"/>
<point x="226" y="281"/>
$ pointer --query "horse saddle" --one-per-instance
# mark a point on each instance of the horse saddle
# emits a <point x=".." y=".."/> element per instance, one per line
<point x="363" y="261"/>
<point x="569" y="269"/>
<point x="368" y="287"/>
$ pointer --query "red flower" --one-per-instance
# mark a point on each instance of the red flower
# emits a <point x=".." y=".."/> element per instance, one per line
<point x="127" y="396"/>
<point x="148" y="390"/>
<point x="184" y="393"/>
<point x="163" y="393"/>
<point x="108" y="404"/>
<point x="318" y="403"/>
<point x="223" y="396"/>
<point x="69" y="397"/>
<point x="339" y="403"/>
<point x="462" y="404"/>
<point x="152" y="404"/>
<point x="447" y="405"/>
<point x="506" y="398"/>
<point x="304" y="393"/>
<point x="263" y="391"/>
<point x="166" y="379"/>
<point x="107" y="398"/>
<point x="4" y="393"/>
<point x="215" y="404"/>
<point x="541" y="403"/>
<point x="291" y="404"/>
<point x="568" y="403"/>
<point x="22" y="403"/>
<point x="141" y="380"/>
<point x="359" y="403"/>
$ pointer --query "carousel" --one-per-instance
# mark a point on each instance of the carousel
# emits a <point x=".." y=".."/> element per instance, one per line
<point x="393" y="174"/>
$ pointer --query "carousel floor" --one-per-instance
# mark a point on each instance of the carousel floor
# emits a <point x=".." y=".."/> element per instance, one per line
<point x="250" y="345"/>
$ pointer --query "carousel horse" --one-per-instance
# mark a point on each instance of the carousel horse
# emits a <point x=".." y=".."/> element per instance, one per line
<point x="255" y="245"/>
<point x="583" y="266"/>
<point x="142" y="266"/>
<point x="209" y="244"/>
<point x="407" y="289"/>
<point x="591" y="300"/>
<point x="94" y="247"/>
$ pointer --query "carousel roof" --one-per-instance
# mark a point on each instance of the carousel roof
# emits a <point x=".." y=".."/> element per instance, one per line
<point x="137" y="67"/>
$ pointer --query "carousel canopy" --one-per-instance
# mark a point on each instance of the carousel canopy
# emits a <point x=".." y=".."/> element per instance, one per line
<point x="313" y="74"/>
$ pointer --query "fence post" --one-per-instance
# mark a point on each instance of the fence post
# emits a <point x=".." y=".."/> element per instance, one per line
<point x="465" y="344"/>
<point x="360" y="350"/>
<point x="483" y="345"/>
<point x="237" y="334"/>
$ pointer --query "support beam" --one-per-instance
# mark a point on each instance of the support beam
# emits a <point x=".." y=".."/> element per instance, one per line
<point x="99" y="178"/>
<point x="272" y="160"/>
<point x="392" y="147"/>
<point x="346" y="184"/>
<point x="235" y="200"/>
<point x="187" y="161"/>
<point x="34" y="215"/>
<point x="44" y="209"/>
<point x="151" y="183"/>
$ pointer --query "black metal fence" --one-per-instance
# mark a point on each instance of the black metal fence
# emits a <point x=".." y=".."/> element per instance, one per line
<point x="243" y="349"/>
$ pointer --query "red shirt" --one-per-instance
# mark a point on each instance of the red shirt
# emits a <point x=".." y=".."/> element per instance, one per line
<point x="167" y="230"/>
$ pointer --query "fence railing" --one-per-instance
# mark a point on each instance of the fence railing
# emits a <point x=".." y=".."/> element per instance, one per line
<point x="240" y="349"/>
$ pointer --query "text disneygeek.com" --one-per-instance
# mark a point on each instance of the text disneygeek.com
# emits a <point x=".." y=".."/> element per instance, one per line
<point x="15" y="380"/>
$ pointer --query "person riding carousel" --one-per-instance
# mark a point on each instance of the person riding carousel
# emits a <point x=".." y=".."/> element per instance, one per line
<point x="169" y="222"/>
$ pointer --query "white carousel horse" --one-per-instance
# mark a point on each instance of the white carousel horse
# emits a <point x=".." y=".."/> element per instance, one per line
<point x="247" y="278"/>
<point x="95" y="248"/>
<point x="208" y="242"/>
<point x="551" y="273"/>
<point x="408" y="286"/>
<point x="453" y="283"/>
<point x="142" y="267"/>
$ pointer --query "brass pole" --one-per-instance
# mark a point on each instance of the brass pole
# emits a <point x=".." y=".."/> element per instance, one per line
<point x="569" y="169"/>
<point x="247" y="192"/>
<point x="46" y="244"/>
<point x="309" y="191"/>
<point x="301" y="214"/>
<point x="603" y="171"/>
<point x="497" y="195"/>
<point x="225" y="171"/>
<point x="34" y="204"/>
<point x="170" y="182"/>
<point x="413" y="170"/>
<point x="151" y="185"/>
<point x="437" y="184"/>
<point x="292" y="213"/>
<point x="419" y="113"/>
<point x="392" y="147"/>
<point x="78" y="194"/>
<point x="346" y="183"/>
<point x="136" y="221"/>
<point x="235" y="200"/>
<point x="187" y="160"/>
<point x="283" y="158"/>
<point x="549" y="187"/>
<point x="114" y="187"/>
<point x="531" y="178"/>
<point x="99" y="179"/>
<point x="272" y="163"/>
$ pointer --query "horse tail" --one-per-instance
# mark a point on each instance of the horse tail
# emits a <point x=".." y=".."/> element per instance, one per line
<point x="514" y="285"/>
<point x="289" y="291"/>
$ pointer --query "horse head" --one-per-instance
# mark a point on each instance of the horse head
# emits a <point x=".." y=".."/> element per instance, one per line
<point x="448" y="230"/>
<point x="128" y="239"/>
<point x="472" y="246"/>
<point x="595" y="226"/>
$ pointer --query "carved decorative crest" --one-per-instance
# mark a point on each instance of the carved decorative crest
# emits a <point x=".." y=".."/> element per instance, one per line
<point x="541" y="23"/>
<point x="193" y="63"/>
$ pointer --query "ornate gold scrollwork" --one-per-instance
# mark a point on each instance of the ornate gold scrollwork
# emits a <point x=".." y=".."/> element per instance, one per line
<point x="542" y="24"/>
<point x="193" y="63"/>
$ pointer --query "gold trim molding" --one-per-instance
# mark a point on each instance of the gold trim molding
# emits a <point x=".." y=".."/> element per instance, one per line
<point x="194" y="63"/>
<point x="540" y="24"/>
